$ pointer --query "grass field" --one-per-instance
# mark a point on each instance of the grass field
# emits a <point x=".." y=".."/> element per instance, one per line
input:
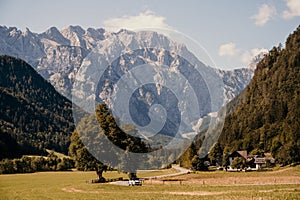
<point x="283" y="184"/>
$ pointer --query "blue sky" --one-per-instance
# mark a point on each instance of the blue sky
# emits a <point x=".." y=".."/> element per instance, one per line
<point x="230" y="31"/>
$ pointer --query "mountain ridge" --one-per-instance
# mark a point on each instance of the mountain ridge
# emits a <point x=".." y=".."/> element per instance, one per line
<point x="72" y="44"/>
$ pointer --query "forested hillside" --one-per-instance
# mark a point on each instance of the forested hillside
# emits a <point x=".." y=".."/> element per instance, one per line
<point x="268" y="117"/>
<point x="33" y="115"/>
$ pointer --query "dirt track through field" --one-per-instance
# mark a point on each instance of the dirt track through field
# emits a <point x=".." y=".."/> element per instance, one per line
<point x="181" y="171"/>
<point x="197" y="193"/>
<point x="71" y="190"/>
<point x="191" y="193"/>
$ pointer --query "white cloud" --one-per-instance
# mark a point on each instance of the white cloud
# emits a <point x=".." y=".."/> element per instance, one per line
<point x="228" y="49"/>
<point x="257" y="51"/>
<point x="235" y="53"/>
<point x="293" y="9"/>
<point x="247" y="56"/>
<point x="265" y="13"/>
<point x="146" y="19"/>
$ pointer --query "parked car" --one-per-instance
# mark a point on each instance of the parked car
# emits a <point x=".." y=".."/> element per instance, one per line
<point x="136" y="182"/>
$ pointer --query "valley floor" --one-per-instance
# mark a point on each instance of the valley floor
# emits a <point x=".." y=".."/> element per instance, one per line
<point x="280" y="184"/>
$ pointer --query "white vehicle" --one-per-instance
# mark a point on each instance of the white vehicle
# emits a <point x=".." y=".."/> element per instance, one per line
<point x="136" y="182"/>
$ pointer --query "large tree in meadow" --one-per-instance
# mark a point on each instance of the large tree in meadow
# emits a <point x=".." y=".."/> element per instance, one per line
<point x="84" y="160"/>
<point x="118" y="137"/>
<point x="115" y="134"/>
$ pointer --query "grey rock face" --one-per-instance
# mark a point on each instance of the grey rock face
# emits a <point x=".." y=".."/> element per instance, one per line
<point x="58" y="55"/>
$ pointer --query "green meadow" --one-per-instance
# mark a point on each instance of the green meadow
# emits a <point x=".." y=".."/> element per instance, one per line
<point x="73" y="185"/>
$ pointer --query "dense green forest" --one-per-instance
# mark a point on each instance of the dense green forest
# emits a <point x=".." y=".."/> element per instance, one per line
<point x="267" y="119"/>
<point x="33" y="115"/>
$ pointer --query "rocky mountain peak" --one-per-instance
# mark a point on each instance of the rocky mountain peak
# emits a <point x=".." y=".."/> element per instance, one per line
<point x="95" y="34"/>
<point x="78" y="30"/>
<point x="53" y="34"/>
<point x="58" y="55"/>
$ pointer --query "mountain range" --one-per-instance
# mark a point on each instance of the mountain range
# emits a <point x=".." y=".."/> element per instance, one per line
<point x="86" y="65"/>
<point x="58" y="55"/>
<point x="64" y="59"/>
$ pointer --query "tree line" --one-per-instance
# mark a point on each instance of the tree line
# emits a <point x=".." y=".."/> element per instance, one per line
<point x="30" y="164"/>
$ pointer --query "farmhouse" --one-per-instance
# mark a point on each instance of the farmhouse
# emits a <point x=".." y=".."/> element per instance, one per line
<point x="250" y="162"/>
<point x="237" y="154"/>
